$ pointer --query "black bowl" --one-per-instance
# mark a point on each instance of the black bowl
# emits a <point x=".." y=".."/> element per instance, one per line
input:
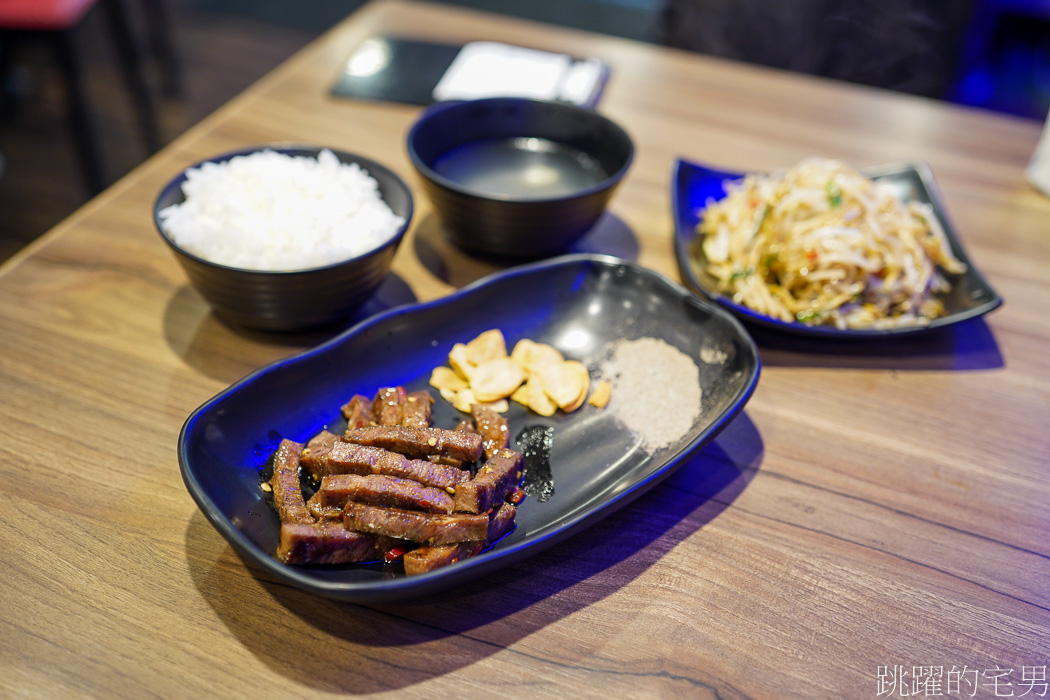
<point x="299" y="299"/>
<point x="473" y="156"/>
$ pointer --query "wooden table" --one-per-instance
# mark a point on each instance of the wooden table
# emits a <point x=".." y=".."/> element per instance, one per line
<point x="871" y="511"/>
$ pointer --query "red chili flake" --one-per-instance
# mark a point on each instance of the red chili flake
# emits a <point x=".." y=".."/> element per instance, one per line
<point x="812" y="255"/>
<point x="394" y="553"/>
<point x="516" y="496"/>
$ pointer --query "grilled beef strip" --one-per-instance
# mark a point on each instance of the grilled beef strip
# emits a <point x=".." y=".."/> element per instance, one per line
<point x="452" y="461"/>
<point x="358" y="412"/>
<point x="415" y="410"/>
<point x="414" y="525"/>
<point x="449" y="462"/>
<point x="501" y="521"/>
<point x="315" y="452"/>
<point x="350" y="458"/>
<point x="434" y="556"/>
<point x="387" y="405"/>
<point x="287" y="494"/>
<point x="321" y="509"/>
<point x="430" y="557"/>
<point x="442" y="476"/>
<point x="492" y="427"/>
<point x="494" y="481"/>
<point x="325" y="543"/>
<point x="381" y="490"/>
<point x="420" y="442"/>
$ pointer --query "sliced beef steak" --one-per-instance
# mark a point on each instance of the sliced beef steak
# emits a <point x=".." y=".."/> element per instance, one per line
<point x="381" y="490"/>
<point x="501" y="521"/>
<point x="322" y="510"/>
<point x="287" y="494"/>
<point x="430" y="557"/>
<point x="420" y="442"/>
<point x="434" y="556"/>
<point x="358" y="412"/>
<point x="492" y="427"/>
<point x="416" y="409"/>
<point x="325" y="543"/>
<point x="351" y="458"/>
<point x="415" y="525"/>
<point x="495" y="480"/>
<point x="387" y="405"/>
<point x="317" y="448"/>
<point x="467" y="425"/>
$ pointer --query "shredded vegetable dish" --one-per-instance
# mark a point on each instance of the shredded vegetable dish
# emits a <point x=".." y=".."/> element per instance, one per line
<point x="822" y="244"/>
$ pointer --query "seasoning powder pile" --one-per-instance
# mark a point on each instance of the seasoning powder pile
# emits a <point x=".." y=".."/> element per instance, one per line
<point x="656" y="390"/>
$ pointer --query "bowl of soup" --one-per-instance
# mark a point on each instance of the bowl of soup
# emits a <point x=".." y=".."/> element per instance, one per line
<point x="518" y="178"/>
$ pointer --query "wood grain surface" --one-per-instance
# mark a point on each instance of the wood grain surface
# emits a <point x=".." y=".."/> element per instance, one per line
<point x="876" y="506"/>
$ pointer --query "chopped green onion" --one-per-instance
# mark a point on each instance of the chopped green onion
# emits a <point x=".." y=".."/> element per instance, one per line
<point x="761" y="218"/>
<point x="807" y="315"/>
<point x="770" y="260"/>
<point x="834" y="194"/>
<point x="740" y="274"/>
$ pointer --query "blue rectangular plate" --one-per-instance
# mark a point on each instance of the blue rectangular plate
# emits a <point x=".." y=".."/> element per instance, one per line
<point x="693" y="184"/>
<point x="578" y="303"/>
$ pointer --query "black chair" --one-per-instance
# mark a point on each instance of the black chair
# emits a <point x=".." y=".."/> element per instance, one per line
<point x="55" y="22"/>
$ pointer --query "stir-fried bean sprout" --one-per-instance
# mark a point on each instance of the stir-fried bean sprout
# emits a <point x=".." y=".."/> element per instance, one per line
<point x="823" y="244"/>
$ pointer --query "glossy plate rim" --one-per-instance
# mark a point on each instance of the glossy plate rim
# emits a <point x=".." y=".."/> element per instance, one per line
<point x="404" y="587"/>
<point x="684" y="236"/>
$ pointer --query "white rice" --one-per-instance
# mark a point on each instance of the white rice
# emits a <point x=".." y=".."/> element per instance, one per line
<point x="271" y="211"/>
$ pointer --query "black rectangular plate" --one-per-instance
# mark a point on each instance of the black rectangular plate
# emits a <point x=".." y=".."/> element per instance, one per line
<point x="693" y="184"/>
<point x="578" y="303"/>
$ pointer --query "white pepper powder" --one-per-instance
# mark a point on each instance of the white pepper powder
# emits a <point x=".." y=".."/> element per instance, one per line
<point x="656" y="390"/>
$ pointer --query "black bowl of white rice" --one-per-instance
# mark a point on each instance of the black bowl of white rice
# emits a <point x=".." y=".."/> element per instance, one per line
<point x="285" y="238"/>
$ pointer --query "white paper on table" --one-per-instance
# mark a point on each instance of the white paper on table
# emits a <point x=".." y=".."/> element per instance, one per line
<point x="491" y="69"/>
<point x="1038" y="171"/>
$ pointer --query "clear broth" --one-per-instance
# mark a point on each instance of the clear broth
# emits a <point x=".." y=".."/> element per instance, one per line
<point x="521" y="167"/>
